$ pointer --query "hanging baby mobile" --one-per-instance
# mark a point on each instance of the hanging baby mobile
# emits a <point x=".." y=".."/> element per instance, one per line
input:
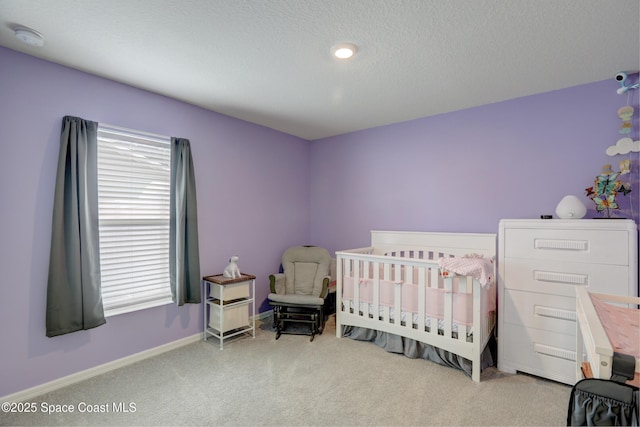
<point x="609" y="183"/>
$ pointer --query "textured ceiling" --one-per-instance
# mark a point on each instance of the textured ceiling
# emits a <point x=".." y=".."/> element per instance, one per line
<point x="268" y="61"/>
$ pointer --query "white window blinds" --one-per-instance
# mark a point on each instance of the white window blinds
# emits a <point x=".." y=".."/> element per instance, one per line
<point x="133" y="210"/>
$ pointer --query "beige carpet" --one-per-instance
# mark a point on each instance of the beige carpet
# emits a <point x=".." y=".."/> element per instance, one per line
<point x="330" y="381"/>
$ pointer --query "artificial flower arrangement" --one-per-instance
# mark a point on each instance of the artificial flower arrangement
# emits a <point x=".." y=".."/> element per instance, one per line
<point x="606" y="187"/>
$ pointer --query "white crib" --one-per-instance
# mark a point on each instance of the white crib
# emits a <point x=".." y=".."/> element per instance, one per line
<point x="400" y="273"/>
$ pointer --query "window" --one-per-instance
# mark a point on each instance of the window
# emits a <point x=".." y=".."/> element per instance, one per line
<point x="133" y="213"/>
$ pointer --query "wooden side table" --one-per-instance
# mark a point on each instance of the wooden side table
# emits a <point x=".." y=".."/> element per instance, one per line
<point x="230" y="306"/>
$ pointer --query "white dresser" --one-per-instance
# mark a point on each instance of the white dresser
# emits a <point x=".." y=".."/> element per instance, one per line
<point x="540" y="262"/>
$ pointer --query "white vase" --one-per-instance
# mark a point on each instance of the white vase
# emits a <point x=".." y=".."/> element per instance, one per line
<point x="571" y="207"/>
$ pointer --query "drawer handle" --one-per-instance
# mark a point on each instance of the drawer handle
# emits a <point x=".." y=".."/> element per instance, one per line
<point x="568" y="245"/>
<point x="560" y="353"/>
<point x="549" y="276"/>
<point x="554" y="313"/>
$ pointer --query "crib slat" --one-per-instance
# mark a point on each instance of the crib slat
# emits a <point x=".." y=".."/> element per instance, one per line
<point x="475" y="328"/>
<point x="434" y="278"/>
<point x="386" y="314"/>
<point x="478" y="328"/>
<point x="406" y="277"/>
<point x="408" y="274"/>
<point x="356" y="287"/>
<point x="386" y="276"/>
<point x="346" y="265"/>
<point x="364" y="276"/>
<point x="448" y="306"/>
<point x="397" y="292"/>
<point x="422" y="311"/>
<point x="463" y="287"/>
<point x="339" y="293"/>
<point x="376" y="289"/>
<point x="397" y="302"/>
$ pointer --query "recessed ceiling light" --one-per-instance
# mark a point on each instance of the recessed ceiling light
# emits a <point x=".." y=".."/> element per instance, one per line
<point x="29" y="36"/>
<point x="344" y="50"/>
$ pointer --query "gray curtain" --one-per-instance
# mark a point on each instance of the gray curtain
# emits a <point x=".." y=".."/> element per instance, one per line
<point x="184" y="257"/>
<point x="74" y="299"/>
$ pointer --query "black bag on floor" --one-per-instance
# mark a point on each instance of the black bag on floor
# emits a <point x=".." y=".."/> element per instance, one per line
<point x="599" y="402"/>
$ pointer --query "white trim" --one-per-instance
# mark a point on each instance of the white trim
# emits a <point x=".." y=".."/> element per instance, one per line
<point x="50" y="386"/>
<point x="263" y="315"/>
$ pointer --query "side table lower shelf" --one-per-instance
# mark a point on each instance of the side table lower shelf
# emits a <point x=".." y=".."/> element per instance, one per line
<point x="229" y="308"/>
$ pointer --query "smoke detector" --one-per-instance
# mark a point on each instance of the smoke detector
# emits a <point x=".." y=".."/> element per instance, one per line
<point x="29" y="36"/>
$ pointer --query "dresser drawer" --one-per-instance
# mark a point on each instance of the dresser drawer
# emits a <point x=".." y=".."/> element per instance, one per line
<point x="543" y="353"/>
<point x="541" y="311"/>
<point x="575" y="245"/>
<point x="559" y="278"/>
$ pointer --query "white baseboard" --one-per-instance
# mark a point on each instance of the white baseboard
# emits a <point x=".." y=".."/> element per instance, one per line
<point x="264" y="314"/>
<point x="32" y="392"/>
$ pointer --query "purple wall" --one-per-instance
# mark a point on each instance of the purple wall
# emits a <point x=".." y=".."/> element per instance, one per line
<point x="261" y="191"/>
<point x="466" y="170"/>
<point x="253" y="201"/>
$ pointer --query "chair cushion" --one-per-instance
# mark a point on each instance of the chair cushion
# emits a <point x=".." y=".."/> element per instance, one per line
<point x="296" y="299"/>
<point x="304" y="268"/>
<point x="304" y="276"/>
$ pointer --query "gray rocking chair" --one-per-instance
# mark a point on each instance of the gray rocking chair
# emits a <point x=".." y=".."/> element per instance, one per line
<point x="298" y="294"/>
